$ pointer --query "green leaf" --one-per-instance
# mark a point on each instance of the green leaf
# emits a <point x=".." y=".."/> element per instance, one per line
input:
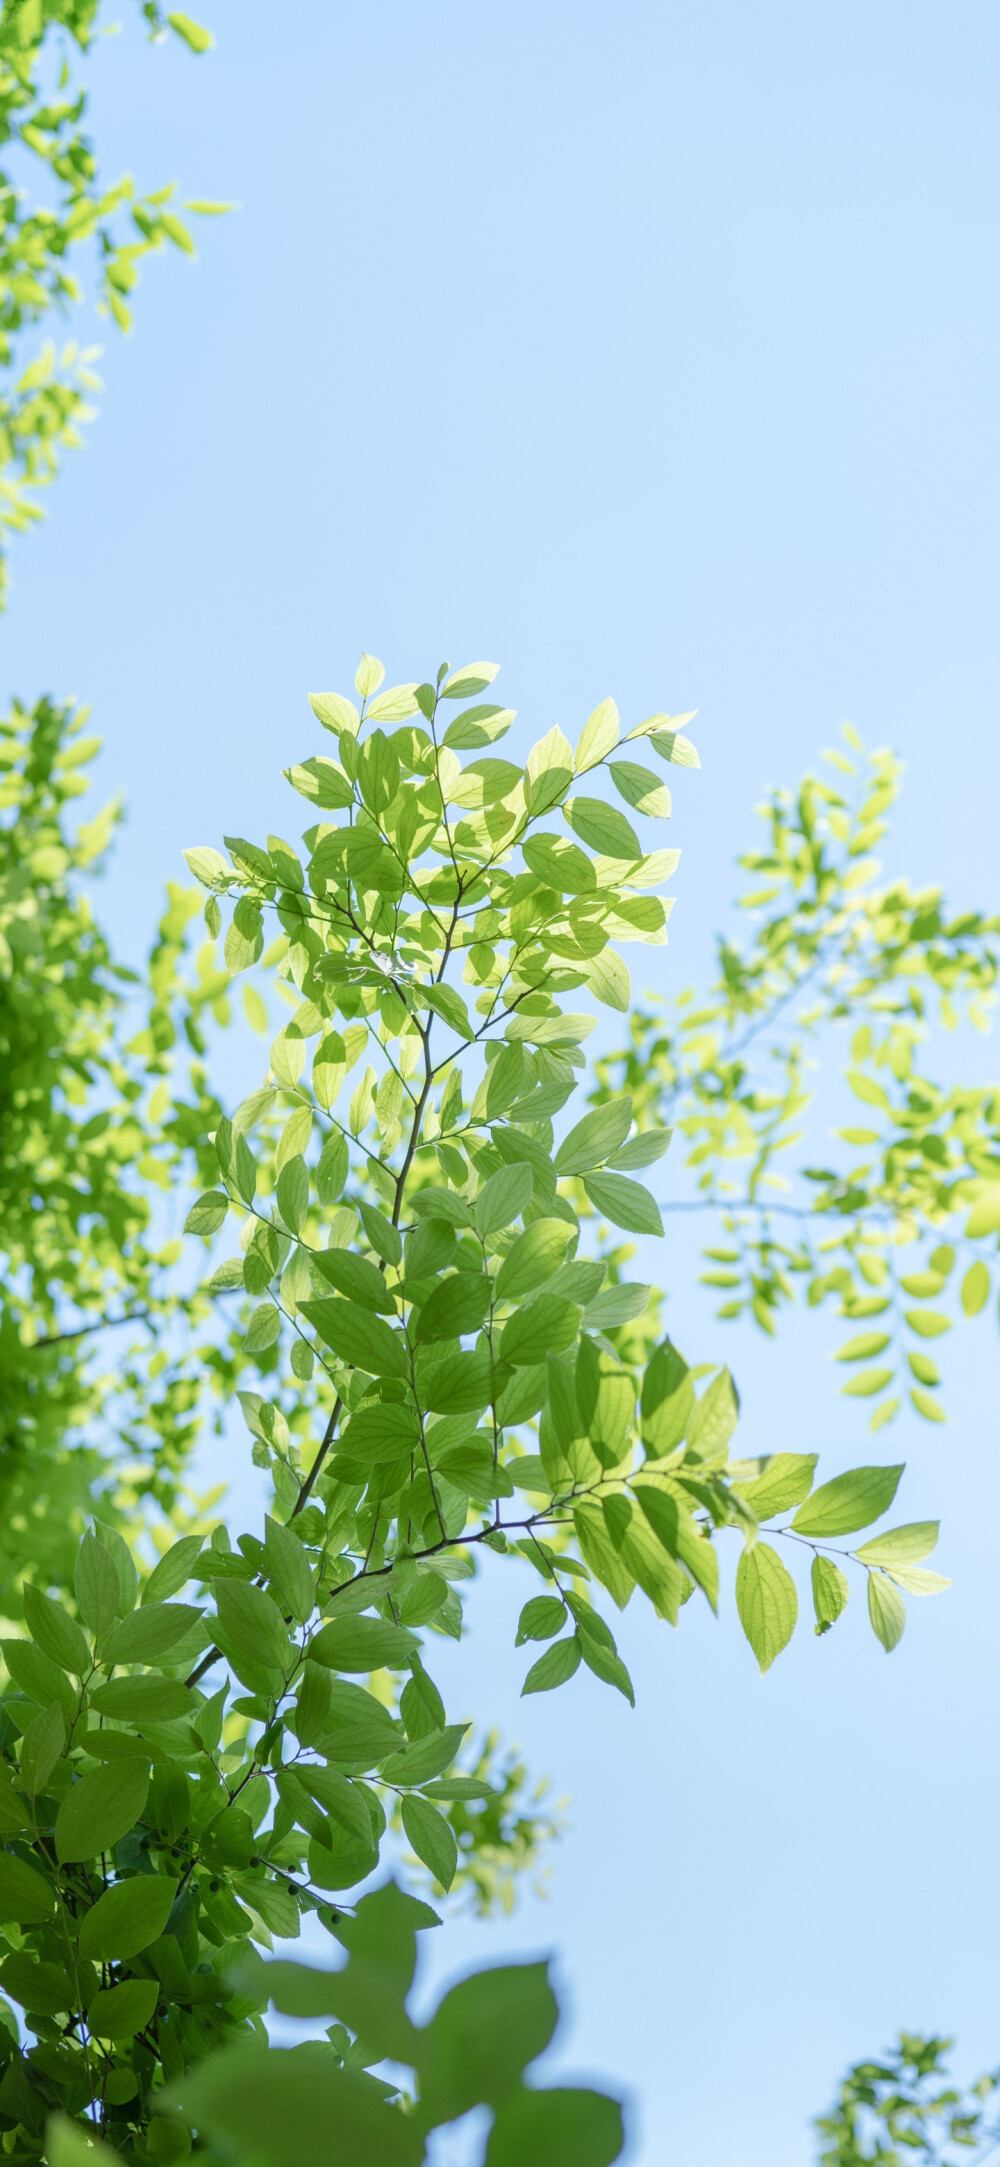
<point x="357" y="1277"/>
<point x="555" y="2129"/>
<point x="252" y="1624"/>
<point x="335" y="712"/>
<point x="930" y="1323"/>
<point x="534" y="1257"/>
<point x="922" y="1368"/>
<point x="626" y="1203"/>
<point x="674" y="748"/>
<point x="865" y="1088"/>
<point x="863" y="1348"/>
<point x="381" y="1433"/>
<point x="830" y="1592"/>
<point x="362" y="1644"/>
<point x="207" y="1215"/>
<point x="394" y="705"/>
<point x="868" y="1383"/>
<point x="54" y="1632"/>
<point x="594" y="1138"/>
<point x="263" y="1329"/>
<point x="207" y="865"/>
<point x="68" y="2144"/>
<point x="143" y="1700"/>
<point x="605" y="1396"/>
<point x="283" y="2103"/>
<point x="603" y="828"/>
<point x="96" y="1585"/>
<point x="766" y="1601"/>
<point x="175" y="1569"/>
<point x="887" y="1611"/>
<point x="322" y="781"/>
<point x="124" y="1562"/>
<point x="916" y="1580"/>
<point x="641" y="788"/>
<point x="41" y="1745"/>
<point x="540" y="1618"/>
<point x="293" y="1193"/>
<point x="368" y="676"/>
<point x="458" y="1305"/>
<point x="643" y="1150"/>
<point x="785" y="1479"/>
<point x="465" y="683"/>
<point x="40" y="1986"/>
<point x="605" y="1662"/>
<point x="431" y="1837"/>
<point x="385" y="1238"/>
<point x="14" y="1813"/>
<point x="667" y="1401"/>
<point x="192" y="33"/>
<point x="598" y="737"/>
<point x="462" y="1384"/>
<point x="360" y="1338"/>
<point x="553" y="1668"/>
<point x="118" y="2012"/>
<point x="502" y="1198"/>
<point x="127" y="1918"/>
<point x="681" y="1538"/>
<point x="975" y="1288"/>
<point x="560" y="864"/>
<point x="423" y="1758"/>
<point x="616" y="1306"/>
<point x="341" y="1799"/>
<point x="289" y="1569"/>
<point x="544" y="1326"/>
<point x="548" y="773"/>
<point x="148" y="1635"/>
<point x="26" y="1899"/>
<point x="713" y="1420"/>
<point x="901" y="1545"/>
<point x="99" y="1809"/>
<point x="458" y="1787"/>
<point x="609" y="981"/>
<point x="849" y="1502"/>
<point x="478" y="726"/>
<point x="482" y="2036"/>
<point x="926" y="1406"/>
<point x="984" y="1218"/>
<point x="36" y="1675"/>
<point x="450" y="1006"/>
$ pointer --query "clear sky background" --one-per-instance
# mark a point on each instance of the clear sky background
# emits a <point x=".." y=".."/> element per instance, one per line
<point x="649" y="350"/>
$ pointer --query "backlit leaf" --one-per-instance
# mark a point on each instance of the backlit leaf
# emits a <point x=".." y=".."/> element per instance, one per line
<point x="767" y="1602"/>
<point x="848" y="1502"/>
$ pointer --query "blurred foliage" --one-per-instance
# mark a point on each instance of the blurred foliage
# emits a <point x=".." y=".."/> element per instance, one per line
<point x="44" y="246"/>
<point x="902" y="2109"/>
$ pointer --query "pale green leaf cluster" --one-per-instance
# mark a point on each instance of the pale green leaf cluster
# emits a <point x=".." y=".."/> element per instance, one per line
<point x="44" y="403"/>
<point x="899" y="1230"/>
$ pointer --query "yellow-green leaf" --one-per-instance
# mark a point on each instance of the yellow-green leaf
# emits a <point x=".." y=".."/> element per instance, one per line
<point x="887" y="1611"/>
<point x="975" y="1288"/>
<point x="767" y="1602"/>
<point x="930" y="1323"/>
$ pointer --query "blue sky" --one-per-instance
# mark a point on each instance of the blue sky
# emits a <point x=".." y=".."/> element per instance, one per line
<point x="649" y="350"/>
